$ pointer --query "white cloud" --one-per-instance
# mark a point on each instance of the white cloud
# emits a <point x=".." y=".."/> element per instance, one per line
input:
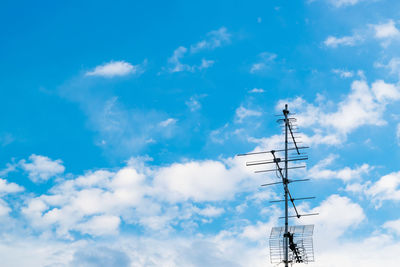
<point x="4" y="209"/>
<point x="343" y="73"/>
<point x="193" y="103"/>
<point x="175" y="64"/>
<point x="364" y="105"/>
<point x="41" y="168"/>
<point x="210" y="211"/>
<point x="257" y="231"/>
<point x="155" y="198"/>
<point x="7" y="188"/>
<point x="340" y="3"/>
<point x="256" y="90"/>
<point x="168" y="122"/>
<point x="385" y="91"/>
<point x="226" y="248"/>
<point x="174" y="61"/>
<point x="100" y="225"/>
<point x="214" y="39"/>
<point x="242" y="113"/>
<point x="393" y="66"/>
<point x="89" y="204"/>
<point x="336" y="215"/>
<point x="319" y="170"/>
<point x="359" y="108"/>
<point x="334" y="42"/>
<point x="116" y="68"/>
<point x="198" y="181"/>
<point x="386" y="188"/>
<point x="393" y="226"/>
<point x="10" y="167"/>
<point x="205" y="64"/>
<point x="386" y="30"/>
<point x="265" y="62"/>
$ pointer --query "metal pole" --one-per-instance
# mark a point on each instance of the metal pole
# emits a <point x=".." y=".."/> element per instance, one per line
<point x="285" y="184"/>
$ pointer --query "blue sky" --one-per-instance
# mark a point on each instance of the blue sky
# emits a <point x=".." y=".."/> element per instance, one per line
<point x="121" y="122"/>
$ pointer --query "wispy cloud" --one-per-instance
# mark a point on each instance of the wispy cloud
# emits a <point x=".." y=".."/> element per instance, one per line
<point x="168" y="122"/>
<point x="214" y="39"/>
<point x="205" y="64"/>
<point x="343" y="73"/>
<point x="194" y="102"/>
<point x="256" y="90"/>
<point x="264" y="63"/>
<point x="174" y="60"/>
<point x="393" y="66"/>
<point x="334" y="42"/>
<point x="116" y="68"/>
<point x="384" y="32"/>
<point x="242" y="113"/>
<point x="342" y="3"/>
<point x="175" y="64"/>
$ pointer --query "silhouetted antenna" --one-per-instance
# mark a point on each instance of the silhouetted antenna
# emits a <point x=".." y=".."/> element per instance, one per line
<point x="288" y="244"/>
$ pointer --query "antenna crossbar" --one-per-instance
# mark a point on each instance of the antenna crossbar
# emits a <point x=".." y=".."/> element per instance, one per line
<point x="271" y="170"/>
<point x="300" y="215"/>
<point x="259" y="162"/>
<point x="289" y="181"/>
<point x="300" y="198"/>
<point x="266" y="152"/>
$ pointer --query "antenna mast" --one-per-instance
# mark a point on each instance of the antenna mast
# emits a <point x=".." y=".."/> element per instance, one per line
<point x="288" y="244"/>
<point x="285" y="184"/>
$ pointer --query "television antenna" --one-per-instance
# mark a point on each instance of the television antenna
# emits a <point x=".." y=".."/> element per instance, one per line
<point x="288" y="244"/>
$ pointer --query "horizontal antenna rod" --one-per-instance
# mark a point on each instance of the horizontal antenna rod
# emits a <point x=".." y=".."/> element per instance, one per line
<point x="251" y="163"/>
<point x="265" y="152"/>
<point x="298" y="167"/>
<point x="271" y="183"/>
<point x="300" y="215"/>
<point x="300" y="198"/>
<point x="290" y="181"/>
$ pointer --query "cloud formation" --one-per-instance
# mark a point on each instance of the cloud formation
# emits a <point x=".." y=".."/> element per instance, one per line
<point x="386" y="30"/>
<point x="41" y="168"/>
<point x="116" y="68"/>
<point x="215" y="39"/>
<point x="364" y="105"/>
<point x="334" y="42"/>
<point x="342" y="3"/>
<point x="266" y="60"/>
